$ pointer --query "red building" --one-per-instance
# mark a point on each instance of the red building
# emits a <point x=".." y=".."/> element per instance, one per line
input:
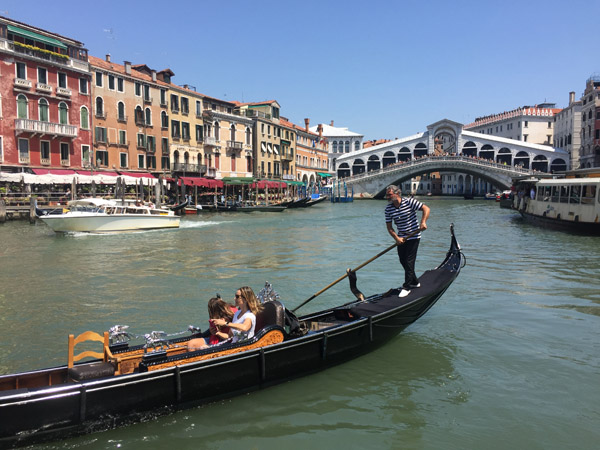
<point x="45" y="105"/>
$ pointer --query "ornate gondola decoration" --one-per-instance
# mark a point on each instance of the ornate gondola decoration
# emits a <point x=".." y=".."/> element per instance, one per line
<point x="131" y="382"/>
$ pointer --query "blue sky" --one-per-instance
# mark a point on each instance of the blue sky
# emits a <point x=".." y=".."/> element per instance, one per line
<point x="384" y="69"/>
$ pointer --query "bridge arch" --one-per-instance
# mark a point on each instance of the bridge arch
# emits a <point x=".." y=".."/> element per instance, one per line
<point x="388" y="158"/>
<point x="469" y="149"/>
<point x="344" y="170"/>
<point x="522" y="159"/>
<point x="504" y="156"/>
<point x="540" y="163"/>
<point x="487" y="152"/>
<point x="420" y="150"/>
<point x="558" y="165"/>
<point x="358" y="166"/>
<point x="404" y="154"/>
<point x="373" y="163"/>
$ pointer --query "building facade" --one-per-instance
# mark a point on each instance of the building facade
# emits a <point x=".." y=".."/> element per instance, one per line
<point x="589" y="154"/>
<point x="567" y="124"/>
<point x="44" y="98"/>
<point x="311" y="155"/>
<point x="532" y="124"/>
<point x="338" y="140"/>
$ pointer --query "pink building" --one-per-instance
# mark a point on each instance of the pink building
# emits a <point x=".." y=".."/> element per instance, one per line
<point x="45" y="106"/>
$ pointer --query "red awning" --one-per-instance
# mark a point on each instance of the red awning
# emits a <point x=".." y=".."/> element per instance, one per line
<point x="214" y="183"/>
<point x="263" y="184"/>
<point x="96" y="172"/>
<point x="53" y="171"/>
<point x="139" y="174"/>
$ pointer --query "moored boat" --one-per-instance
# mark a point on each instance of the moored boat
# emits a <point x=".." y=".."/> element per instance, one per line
<point x="570" y="204"/>
<point x="98" y="215"/>
<point x="130" y="383"/>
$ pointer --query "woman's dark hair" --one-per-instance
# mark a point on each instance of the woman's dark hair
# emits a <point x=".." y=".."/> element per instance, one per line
<point x="219" y="309"/>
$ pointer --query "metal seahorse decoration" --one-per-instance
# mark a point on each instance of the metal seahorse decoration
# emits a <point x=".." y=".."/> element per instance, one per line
<point x="267" y="294"/>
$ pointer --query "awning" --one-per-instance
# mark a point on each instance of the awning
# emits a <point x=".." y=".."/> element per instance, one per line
<point x="35" y="36"/>
<point x="269" y="148"/>
<point x="324" y="175"/>
<point x="201" y="182"/>
<point x="263" y="147"/>
<point x="275" y="149"/>
<point x="295" y="183"/>
<point x="87" y="176"/>
<point x="237" y="180"/>
<point x="139" y="175"/>
<point x="54" y="172"/>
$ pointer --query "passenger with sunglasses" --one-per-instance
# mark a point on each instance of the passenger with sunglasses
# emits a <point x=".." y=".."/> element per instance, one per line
<point x="244" y="320"/>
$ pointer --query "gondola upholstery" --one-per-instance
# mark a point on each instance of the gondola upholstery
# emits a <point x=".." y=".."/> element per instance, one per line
<point x="272" y="313"/>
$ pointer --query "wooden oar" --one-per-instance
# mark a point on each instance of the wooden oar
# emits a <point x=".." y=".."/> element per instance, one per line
<point x="354" y="270"/>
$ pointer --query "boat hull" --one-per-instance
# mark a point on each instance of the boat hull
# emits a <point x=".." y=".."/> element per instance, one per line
<point x="109" y="223"/>
<point x="592" y="228"/>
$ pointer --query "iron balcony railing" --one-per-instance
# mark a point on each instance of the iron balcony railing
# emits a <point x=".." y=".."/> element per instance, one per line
<point x="38" y="127"/>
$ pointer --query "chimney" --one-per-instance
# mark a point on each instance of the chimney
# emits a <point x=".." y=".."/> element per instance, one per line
<point x="320" y="130"/>
<point x="571" y="98"/>
<point x="128" y="67"/>
<point x="108" y="57"/>
<point x="332" y="123"/>
<point x="306" y="122"/>
<point x="154" y="75"/>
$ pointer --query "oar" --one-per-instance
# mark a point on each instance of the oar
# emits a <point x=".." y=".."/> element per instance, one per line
<point x="354" y="270"/>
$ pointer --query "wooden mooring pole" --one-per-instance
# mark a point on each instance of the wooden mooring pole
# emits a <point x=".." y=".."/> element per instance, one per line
<point x="2" y="211"/>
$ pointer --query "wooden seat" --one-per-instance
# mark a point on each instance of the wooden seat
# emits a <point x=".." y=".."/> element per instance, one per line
<point x="97" y="369"/>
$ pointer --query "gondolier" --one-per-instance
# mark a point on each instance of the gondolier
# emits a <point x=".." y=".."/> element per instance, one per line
<point x="403" y="212"/>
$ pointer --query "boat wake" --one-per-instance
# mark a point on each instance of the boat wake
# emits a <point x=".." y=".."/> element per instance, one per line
<point x="196" y="224"/>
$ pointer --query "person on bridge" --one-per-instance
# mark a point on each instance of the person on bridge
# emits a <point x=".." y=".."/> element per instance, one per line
<point x="403" y="211"/>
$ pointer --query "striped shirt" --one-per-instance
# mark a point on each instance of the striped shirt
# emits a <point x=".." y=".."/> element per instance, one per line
<point x="405" y="216"/>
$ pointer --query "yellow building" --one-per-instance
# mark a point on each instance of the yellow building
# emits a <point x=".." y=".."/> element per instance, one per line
<point x="311" y="155"/>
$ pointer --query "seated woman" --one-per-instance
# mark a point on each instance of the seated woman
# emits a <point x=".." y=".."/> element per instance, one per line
<point x="244" y="320"/>
<point x="217" y="309"/>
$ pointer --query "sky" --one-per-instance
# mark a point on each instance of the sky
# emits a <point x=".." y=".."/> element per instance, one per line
<point x="384" y="69"/>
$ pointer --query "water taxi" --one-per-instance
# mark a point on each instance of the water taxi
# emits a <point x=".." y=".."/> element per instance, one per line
<point x="98" y="215"/>
<point x="571" y="204"/>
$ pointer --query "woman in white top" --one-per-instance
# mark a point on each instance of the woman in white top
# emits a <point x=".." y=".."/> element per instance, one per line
<point x="244" y="320"/>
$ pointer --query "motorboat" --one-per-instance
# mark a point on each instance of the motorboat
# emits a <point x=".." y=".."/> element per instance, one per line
<point x="128" y="383"/>
<point x="569" y="204"/>
<point x="99" y="215"/>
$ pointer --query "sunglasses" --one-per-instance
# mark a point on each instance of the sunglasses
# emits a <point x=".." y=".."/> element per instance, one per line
<point x="239" y="296"/>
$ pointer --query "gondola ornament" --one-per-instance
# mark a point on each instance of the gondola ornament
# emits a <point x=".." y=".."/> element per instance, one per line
<point x="267" y="293"/>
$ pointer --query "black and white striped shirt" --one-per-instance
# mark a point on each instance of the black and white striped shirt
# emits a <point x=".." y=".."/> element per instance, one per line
<point x="405" y="216"/>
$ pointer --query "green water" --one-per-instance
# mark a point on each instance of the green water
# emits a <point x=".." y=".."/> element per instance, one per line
<point x="508" y="358"/>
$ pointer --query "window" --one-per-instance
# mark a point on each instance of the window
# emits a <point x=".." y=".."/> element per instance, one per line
<point x="164" y="120"/>
<point x="148" y="117"/>
<point x="139" y="115"/>
<point x="526" y="124"/>
<point x="185" y="106"/>
<point x="138" y="89"/>
<point x="45" y="152"/>
<point x="175" y="129"/>
<point x="120" y="86"/>
<point x="151" y="144"/>
<point x="62" y="80"/>
<point x="23" y="150"/>
<point x="111" y="82"/>
<point x="99" y="107"/>
<point x="147" y="97"/>
<point x="102" y="157"/>
<point x="233" y="163"/>
<point x="174" y="103"/>
<point x="85" y="155"/>
<point x="64" y="153"/>
<point x="141" y="140"/>
<point x="165" y="146"/>
<point x="199" y="133"/>
<point x="525" y="137"/>
<point x="217" y="131"/>
<point x="83" y="86"/>
<point x="21" y="71"/>
<point x="347" y="146"/>
<point x="42" y="75"/>
<point x="334" y="145"/>
<point x="43" y="110"/>
<point x="232" y="133"/>
<point x="101" y="134"/>
<point x="356" y="146"/>
<point x="121" y="111"/>
<point x="85" y="118"/>
<point x="163" y="97"/>
<point x="185" y="130"/>
<point x="151" y="161"/>
<point x="141" y="161"/>
<point x="22" y="107"/>
<point x="198" y="108"/>
<point x="122" y="137"/>
<point x="165" y="162"/>
<point x="99" y="79"/>
<point x="549" y="124"/>
<point x="63" y="113"/>
<point x="123" y="159"/>
<point x="248" y="136"/>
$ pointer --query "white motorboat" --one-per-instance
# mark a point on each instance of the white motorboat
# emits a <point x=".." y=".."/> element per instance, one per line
<point x="98" y="215"/>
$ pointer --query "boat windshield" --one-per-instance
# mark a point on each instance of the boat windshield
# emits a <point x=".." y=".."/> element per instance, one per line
<point x="85" y="208"/>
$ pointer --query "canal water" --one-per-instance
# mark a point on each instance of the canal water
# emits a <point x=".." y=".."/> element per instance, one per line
<point x="508" y="358"/>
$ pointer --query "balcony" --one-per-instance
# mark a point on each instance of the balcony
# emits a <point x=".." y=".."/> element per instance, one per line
<point x="45" y="161"/>
<point x="287" y="157"/>
<point x="189" y="168"/>
<point x="24" y="159"/>
<point x="234" y="145"/>
<point x="63" y="92"/>
<point x="209" y="140"/>
<point x="164" y="103"/>
<point x="122" y="119"/>
<point x="64" y="162"/>
<point x="20" y="83"/>
<point x="42" y="87"/>
<point x="100" y="115"/>
<point x="148" y="100"/>
<point x="42" y="128"/>
<point x="123" y="144"/>
<point x="174" y="109"/>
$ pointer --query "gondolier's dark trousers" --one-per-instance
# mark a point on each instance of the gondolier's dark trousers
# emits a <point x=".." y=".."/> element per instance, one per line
<point x="407" y="253"/>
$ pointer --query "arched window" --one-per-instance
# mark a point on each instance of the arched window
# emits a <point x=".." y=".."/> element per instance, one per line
<point x="164" y="120"/>
<point x="232" y="132"/>
<point x="347" y="150"/>
<point x="356" y="146"/>
<point x="176" y="156"/>
<point x="63" y="113"/>
<point x="99" y="107"/>
<point x="148" y="116"/>
<point x="121" y="111"/>
<point x="334" y="145"/>
<point x="186" y="158"/>
<point x="248" y="136"/>
<point x="139" y="115"/>
<point x="85" y="118"/>
<point x="217" y="131"/>
<point x="22" y="106"/>
<point x="43" y="110"/>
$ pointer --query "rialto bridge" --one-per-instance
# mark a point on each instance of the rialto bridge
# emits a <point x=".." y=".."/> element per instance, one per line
<point x="445" y="147"/>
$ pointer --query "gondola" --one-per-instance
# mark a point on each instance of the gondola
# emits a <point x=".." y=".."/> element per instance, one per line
<point x="131" y="383"/>
<point x="299" y="203"/>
